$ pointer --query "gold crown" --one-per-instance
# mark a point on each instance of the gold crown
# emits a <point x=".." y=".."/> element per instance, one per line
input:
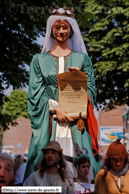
<point x="62" y="11"/>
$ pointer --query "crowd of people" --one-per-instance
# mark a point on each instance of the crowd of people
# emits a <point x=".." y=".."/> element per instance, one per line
<point x="52" y="170"/>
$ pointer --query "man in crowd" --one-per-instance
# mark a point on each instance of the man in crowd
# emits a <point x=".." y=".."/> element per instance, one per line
<point x="52" y="170"/>
<point x="7" y="171"/>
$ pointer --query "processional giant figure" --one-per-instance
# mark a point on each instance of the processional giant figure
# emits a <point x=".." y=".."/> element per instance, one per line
<point x="63" y="51"/>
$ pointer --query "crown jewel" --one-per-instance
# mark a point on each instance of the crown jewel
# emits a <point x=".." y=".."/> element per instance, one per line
<point x="62" y="11"/>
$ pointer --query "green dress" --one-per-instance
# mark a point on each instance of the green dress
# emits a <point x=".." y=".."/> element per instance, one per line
<point x="43" y="86"/>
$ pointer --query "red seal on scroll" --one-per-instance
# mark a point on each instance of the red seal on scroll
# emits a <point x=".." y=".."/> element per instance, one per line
<point x="80" y="123"/>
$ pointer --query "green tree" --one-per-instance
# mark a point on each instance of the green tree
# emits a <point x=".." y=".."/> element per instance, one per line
<point x="16" y="105"/>
<point x="108" y="47"/>
<point x="19" y="31"/>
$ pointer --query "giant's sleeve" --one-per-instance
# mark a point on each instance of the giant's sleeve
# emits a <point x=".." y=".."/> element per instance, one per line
<point x="37" y="95"/>
<point x="88" y="69"/>
<point x="38" y="107"/>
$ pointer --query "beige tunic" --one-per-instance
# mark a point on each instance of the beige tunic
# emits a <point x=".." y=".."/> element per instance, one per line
<point x="50" y="180"/>
<point x="110" y="185"/>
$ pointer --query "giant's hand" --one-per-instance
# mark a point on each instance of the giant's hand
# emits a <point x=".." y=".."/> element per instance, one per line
<point x="61" y="115"/>
<point x="74" y="69"/>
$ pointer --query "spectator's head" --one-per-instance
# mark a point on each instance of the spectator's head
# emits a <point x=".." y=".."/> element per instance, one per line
<point x="82" y="164"/>
<point x="52" y="153"/>
<point x="24" y="158"/>
<point x="18" y="162"/>
<point x="117" y="155"/>
<point x="7" y="170"/>
<point x="53" y="158"/>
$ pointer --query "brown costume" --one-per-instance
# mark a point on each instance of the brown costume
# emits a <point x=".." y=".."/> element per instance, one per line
<point x="109" y="184"/>
<point x="113" y="183"/>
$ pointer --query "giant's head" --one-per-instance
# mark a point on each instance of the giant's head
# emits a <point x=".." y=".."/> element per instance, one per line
<point x="62" y="26"/>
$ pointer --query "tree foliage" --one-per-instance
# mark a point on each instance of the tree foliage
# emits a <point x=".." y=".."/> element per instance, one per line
<point x="108" y="48"/>
<point x="16" y="105"/>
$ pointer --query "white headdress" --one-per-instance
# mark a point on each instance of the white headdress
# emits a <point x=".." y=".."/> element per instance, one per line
<point x="76" y="43"/>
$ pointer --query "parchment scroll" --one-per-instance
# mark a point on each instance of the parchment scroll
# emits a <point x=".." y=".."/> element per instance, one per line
<point x="72" y="93"/>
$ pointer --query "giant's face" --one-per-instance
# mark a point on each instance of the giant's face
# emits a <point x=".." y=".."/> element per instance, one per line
<point x="52" y="157"/>
<point x="61" y="30"/>
<point x="7" y="176"/>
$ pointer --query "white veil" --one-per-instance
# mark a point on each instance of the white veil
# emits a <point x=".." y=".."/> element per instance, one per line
<point x="76" y="43"/>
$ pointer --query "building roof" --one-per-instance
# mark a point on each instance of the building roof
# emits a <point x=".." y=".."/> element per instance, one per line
<point x="112" y="117"/>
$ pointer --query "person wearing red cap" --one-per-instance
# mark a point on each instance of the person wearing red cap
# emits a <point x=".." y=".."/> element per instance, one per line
<point x="113" y="178"/>
<point x="51" y="171"/>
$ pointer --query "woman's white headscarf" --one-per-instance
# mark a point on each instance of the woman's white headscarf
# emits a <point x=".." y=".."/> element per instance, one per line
<point x="76" y="43"/>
